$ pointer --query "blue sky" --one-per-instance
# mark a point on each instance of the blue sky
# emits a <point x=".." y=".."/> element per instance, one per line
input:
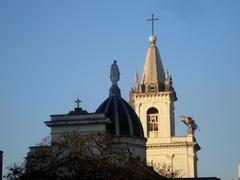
<point x="52" y="52"/>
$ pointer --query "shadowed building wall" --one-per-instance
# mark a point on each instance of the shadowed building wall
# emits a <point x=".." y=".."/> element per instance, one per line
<point x="1" y="164"/>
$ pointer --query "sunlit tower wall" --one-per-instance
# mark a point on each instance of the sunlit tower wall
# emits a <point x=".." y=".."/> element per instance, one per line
<point x="238" y="169"/>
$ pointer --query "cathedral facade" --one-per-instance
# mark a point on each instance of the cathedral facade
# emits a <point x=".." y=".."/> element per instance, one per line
<point x="144" y="127"/>
<point x="153" y="98"/>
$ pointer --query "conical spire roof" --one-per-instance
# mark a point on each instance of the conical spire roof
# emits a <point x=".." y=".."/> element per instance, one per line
<point x="153" y="71"/>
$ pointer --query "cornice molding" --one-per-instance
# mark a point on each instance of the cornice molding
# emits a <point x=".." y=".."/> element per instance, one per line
<point x="166" y="145"/>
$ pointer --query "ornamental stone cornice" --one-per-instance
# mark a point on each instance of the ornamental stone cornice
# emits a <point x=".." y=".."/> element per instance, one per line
<point x="67" y="120"/>
<point x="149" y="96"/>
<point x="180" y="144"/>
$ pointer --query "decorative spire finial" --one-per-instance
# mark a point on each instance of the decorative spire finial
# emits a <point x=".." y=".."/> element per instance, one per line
<point x="167" y="75"/>
<point x="136" y="82"/>
<point x="152" y="19"/>
<point x="136" y="77"/>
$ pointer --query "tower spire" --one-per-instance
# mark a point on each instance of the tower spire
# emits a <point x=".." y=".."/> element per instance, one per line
<point x="153" y="71"/>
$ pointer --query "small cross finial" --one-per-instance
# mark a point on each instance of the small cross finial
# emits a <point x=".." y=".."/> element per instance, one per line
<point x="152" y="19"/>
<point x="78" y="101"/>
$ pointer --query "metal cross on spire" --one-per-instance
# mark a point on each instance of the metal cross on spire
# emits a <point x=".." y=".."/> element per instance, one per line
<point x="78" y="101"/>
<point x="152" y="19"/>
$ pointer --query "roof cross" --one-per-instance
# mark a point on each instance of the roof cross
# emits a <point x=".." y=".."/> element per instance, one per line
<point x="78" y="101"/>
<point x="152" y="19"/>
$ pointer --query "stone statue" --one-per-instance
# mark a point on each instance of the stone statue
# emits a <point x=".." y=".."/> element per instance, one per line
<point x="191" y="125"/>
<point x="115" y="74"/>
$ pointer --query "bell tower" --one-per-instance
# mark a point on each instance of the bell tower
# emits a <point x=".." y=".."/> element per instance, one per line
<point x="153" y="98"/>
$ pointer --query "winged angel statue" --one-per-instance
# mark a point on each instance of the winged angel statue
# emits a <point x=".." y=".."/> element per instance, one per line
<point x="191" y="125"/>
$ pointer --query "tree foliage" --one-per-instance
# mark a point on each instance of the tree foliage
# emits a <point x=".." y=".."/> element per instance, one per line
<point x="74" y="156"/>
<point x="167" y="170"/>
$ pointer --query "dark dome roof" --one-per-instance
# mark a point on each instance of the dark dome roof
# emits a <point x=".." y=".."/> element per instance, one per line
<point x="124" y="120"/>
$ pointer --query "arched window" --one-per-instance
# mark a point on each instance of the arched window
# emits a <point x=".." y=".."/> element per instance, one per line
<point x="152" y="119"/>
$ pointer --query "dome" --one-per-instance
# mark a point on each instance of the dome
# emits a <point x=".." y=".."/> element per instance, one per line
<point x="124" y="120"/>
